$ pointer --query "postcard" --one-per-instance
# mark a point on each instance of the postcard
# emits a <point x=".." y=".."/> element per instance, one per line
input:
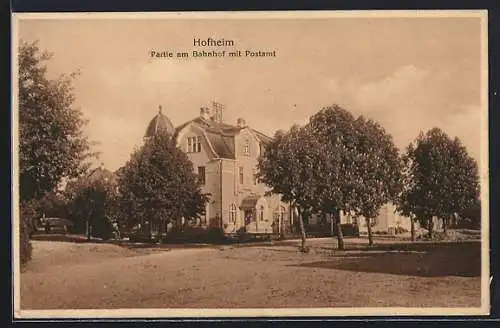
<point x="250" y="164"/>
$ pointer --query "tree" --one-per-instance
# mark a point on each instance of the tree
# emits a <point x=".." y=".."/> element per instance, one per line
<point x="53" y="204"/>
<point x="287" y="167"/>
<point x="443" y="179"/>
<point x="51" y="140"/>
<point x="378" y="170"/>
<point x="333" y="128"/>
<point x="470" y="217"/>
<point x="159" y="183"/>
<point x="358" y="166"/>
<point x="404" y="205"/>
<point x="93" y="204"/>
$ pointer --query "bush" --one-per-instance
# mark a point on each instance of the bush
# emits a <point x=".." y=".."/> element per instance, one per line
<point x="196" y="235"/>
<point x="324" y="230"/>
<point x="214" y="235"/>
<point x="102" y="228"/>
<point x="349" y="230"/>
<point x="317" y="230"/>
<point x="27" y="212"/>
<point x="187" y="235"/>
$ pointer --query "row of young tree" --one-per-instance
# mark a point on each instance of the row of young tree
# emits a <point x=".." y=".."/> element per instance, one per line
<point x="337" y="163"/>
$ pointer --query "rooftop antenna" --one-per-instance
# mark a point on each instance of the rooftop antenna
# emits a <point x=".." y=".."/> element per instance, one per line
<point x="218" y="108"/>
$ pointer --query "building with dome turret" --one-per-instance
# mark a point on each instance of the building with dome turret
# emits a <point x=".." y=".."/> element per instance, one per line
<point x="225" y="158"/>
<point x="159" y="124"/>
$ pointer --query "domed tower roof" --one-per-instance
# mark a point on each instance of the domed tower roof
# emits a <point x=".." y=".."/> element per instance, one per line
<point x="159" y="124"/>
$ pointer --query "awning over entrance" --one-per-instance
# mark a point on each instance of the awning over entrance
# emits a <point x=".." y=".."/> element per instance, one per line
<point x="249" y="202"/>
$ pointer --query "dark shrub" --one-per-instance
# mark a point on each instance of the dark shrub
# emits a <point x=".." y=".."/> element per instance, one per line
<point x="78" y="227"/>
<point x="102" y="228"/>
<point x="325" y="230"/>
<point x="27" y="212"/>
<point x="318" y="230"/>
<point x="350" y="230"/>
<point x="196" y="235"/>
<point x="186" y="235"/>
<point x="214" y="235"/>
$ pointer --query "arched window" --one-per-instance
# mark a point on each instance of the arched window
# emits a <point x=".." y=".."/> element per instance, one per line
<point x="232" y="213"/>
<point x="279" y="213"/>
<point x="261" y="213"/>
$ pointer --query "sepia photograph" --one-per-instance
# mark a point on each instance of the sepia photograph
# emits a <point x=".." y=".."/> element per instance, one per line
<point x="250" y="164"/>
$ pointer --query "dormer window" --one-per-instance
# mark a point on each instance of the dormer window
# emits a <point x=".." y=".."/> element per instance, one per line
<point x="194" y="144"/>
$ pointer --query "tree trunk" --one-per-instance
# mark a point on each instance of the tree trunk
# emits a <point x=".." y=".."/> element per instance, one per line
<point x="430" y="226"/>
<point x="340" y="236"/>
<point x="412" y="222"/>
<point x="281" y="227"/>
<point x="332" y="226"/>
<point x="370" y="236"/>
<point x="87" y="228"/>
<point x="160" y="231"/>
<point x="302" y="232"/>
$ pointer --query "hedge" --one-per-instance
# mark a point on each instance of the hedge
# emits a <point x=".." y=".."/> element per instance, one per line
<point x="27" y="212"/>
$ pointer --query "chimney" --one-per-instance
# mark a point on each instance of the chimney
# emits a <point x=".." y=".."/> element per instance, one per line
<point x="205" y="113"/>
<point x="241" y="122"/>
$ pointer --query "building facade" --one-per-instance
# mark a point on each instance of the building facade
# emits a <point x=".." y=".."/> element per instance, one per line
<point x="225" y="158"/>
<point x="388" y="221"/>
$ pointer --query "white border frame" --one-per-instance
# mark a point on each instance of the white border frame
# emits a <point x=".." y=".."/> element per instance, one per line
<point x="267" y="312"/>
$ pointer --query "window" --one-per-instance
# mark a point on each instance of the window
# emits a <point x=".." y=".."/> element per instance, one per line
<point x="254" y="177"/>
<point x="279" y="213"/>
<point x="261" y="213"/>
<point x="241" y="175"/>
<point x="198" y="143"/>
<point x="246" y="149"/>
<point x="193" y="144"/>
<point x="232" y="213"/>
<point x="201" y="175"/>
<point x="204" y="218"/>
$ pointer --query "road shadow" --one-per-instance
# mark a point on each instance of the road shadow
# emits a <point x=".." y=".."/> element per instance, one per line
<point x="451" y="259"/>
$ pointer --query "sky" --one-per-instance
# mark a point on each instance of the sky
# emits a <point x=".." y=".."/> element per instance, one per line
<point x="409" y="74"/>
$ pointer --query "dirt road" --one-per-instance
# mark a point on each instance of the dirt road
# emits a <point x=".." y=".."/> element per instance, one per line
<point x="100" y="276"/>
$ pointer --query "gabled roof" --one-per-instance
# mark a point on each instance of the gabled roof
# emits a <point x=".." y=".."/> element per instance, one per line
<point x="262" y="137"/>
<point x="220" y="135"/>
